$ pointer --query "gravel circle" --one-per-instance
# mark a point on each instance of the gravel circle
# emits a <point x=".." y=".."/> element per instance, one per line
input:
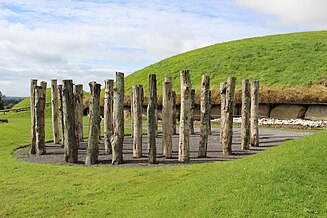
<point x="268" y="138"/>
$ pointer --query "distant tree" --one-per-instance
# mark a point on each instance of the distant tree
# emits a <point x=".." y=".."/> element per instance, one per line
<point x="2" y="98"/>
<point x="9" y="106"/>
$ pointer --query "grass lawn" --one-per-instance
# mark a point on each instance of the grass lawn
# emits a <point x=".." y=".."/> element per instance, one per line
<point x="289" y="180"/>
<point x="290" y="60"/>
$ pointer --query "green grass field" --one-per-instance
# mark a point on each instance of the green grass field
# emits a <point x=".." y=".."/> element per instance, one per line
<point x="288" y="60"/>
<point x="286" y="181"/>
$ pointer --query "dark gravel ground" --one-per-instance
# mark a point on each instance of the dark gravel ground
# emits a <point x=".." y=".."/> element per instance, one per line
<point x="268" y="138"/>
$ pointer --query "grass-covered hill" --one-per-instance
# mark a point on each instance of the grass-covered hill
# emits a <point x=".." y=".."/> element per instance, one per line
<point x="290" y="67"/>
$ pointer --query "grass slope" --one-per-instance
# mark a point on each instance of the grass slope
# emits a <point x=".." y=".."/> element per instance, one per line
<point x="26" y="101"/>
<point x="288" y="181"/>
<point x="288" y="60"/>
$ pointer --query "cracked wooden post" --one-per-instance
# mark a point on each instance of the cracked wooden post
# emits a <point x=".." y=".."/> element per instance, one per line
<point x="228" y="120"/>
<point x="205" y="116"/>
<point x="209" y="121"/>
<point x="118" y="138"/>
<point x="78" y="95"/>
<point x="44" y="87"/>
<point x="167" y="118"/>
<point x="39" y="121"/>
<point x="137" y="102"/>
<point x="32" y="107"/>
<point x="254" y="113"/>
<point x="61" y="114"/>
<point x="152" y="107"/>
<point x="70" y="149"/>
<point x="54" y="106"/>
<point x="174" y="112"/>
<point x="132" y="114"/>
<point x="78" y="92"/>
<point x="192" y="111"/>
<point x="223" y="88"/>
<point x="184" y="124"/>
<point x="245" y="125"/>
<point x="92" y="152"/>
<point x="108" y="116"/>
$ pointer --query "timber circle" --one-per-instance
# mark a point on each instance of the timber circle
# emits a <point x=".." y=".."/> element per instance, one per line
<point x="268" y="138"/>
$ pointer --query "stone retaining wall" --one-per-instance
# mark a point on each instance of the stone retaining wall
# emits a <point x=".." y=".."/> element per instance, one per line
<point x="281" y="111"/>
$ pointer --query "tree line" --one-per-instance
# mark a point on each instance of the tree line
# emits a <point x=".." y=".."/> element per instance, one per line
<point x="8" y="102"/>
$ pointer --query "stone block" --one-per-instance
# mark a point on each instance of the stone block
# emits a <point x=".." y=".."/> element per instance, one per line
<point x="316" y="112"/>
<point x="288" y="111"/>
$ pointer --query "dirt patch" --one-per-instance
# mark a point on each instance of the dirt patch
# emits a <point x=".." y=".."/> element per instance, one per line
<point x="268" y="138"/>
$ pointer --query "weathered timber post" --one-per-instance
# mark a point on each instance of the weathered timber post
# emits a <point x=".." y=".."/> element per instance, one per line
<point x="92" y="152"/>
<point x="108" y="116"/>
<point x="78" y="95"/>
<point x="54" y="106"/>
<point x="44" y="87"/>
<point x="132" y="114"/>
<point x="167" y="118"/>
<point x="137" y="102"/>
<point x="205" y="116"/>
<point x="254" y="113"/>
<point x="32" y="106"/>
<point x="184" y="124"/>
<point x="174" y="112"/>
<point x="245" y="126"/>
<point x="152" y="118"/>
<point x="223" y="89"/>
<point x="70" y="148"/>
<point x="118" y="138"/>
<point x="209" y="121"/>
<point x="61" y="114"/>
<point x="228" y="120"/>
<point x="39" y="121"/>
<point x="78" y="92"/>
<point x="192" y="111"/>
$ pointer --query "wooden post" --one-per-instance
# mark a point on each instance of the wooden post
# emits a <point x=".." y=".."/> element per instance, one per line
<point x="137" y="102"/>
<point x="245" y="126"/>
<point x="32" y="106"/>
<point x="54" y="106"/>
<point x="254" y="113"/>
<point x="209" y="121"/>
<point x="174" y="112"/>
<point x="92" y="152"/>
<point x="44" y="87"/>
<point x="167" y="118"/>
<point x="78" y="92"/>
<point x="205" y="116"/>
<point x="152" y="106"/>
<point x="78" y="95"/>
<point x="108" y="116"/>
<point x="70" y="153"/>
<point x="192" y="111"/>
<point x="118" y="138"/>
<point x="61" y="115"/>
<point x="223" y="88"/>
<point x="39" y="121"/>
<point x="184" y="124"/>
<point x="228" y="120"/>
<point x="132" y="114"/>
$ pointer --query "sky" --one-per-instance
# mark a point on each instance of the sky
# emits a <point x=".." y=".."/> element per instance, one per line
<point x="89" y="40"/>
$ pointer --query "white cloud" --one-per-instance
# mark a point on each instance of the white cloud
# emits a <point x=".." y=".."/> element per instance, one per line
<point x="88" y="41"/>
<point x="306" y="13"/>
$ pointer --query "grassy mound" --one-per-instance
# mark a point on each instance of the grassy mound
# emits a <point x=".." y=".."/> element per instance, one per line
<point x="286" y="181"/>
<point x="283" y="63"/>
<point x="26" y="101"/>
